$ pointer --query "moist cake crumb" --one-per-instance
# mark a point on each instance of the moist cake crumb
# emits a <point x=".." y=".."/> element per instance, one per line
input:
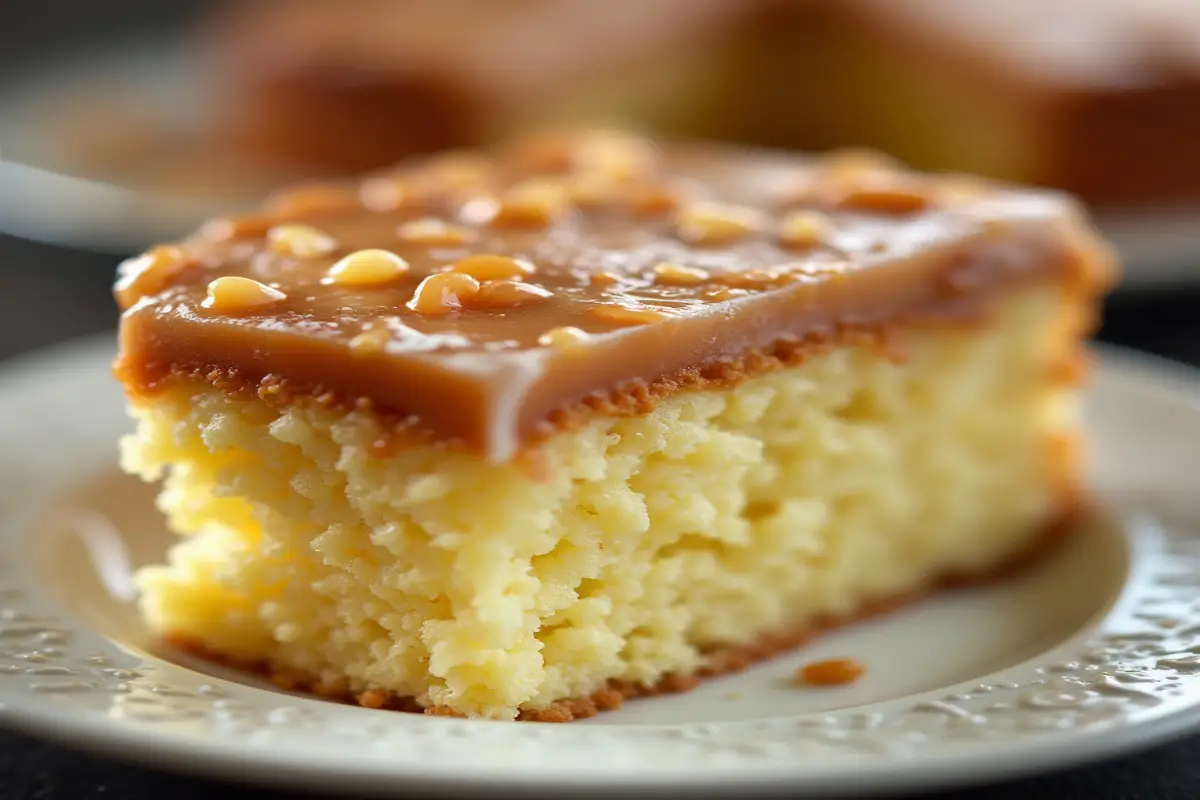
<point x="719" y="662"/>
<point x="534" y="470"/>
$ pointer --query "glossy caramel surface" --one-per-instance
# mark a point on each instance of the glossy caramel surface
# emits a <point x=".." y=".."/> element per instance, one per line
<point x="479" y="293"/>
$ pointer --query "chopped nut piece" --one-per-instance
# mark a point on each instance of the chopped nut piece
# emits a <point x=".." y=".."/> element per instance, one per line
<point x="721" y="294"/>
<point x="237" y="228"/>
<point x="371" y="341"/>
<point x="677" y="275"/>
<point x="856" y="163"/>
<point x="532" y="211"/>
<point x="442" y="293"/>
<point x="562" y="337"/>
<point x="314" y="199"/>
<point x="550" y="190"/>
<point x="755" y="278"/>
<point x="803" y="228"/>
<point x="592" y="189"/>
<point x="603" y="278"/>
<point x="713" y="223"/>
<point x="958" y="188"/>
<point x="434" y="232"/>
<point x="652" y="201"/>
<point x="384" y="193"/>
<point x="885" y="197"/>
<point x="234" y="295"/>
<point x="479" y="209"/>
<point x="842" y="173"/>
<point x="367" y="268"/>
<point x="454" y="171"/>
<point x="546" y="151"/>
<point x="616" y="154"/>
<point x="149" y="274"/>
<point x="627" y="316"/>
<point x="302" y="241"/>
<point x="507" y="294"/>
<point x="390" y="192"/>
<point x="834" y="672"/>
<point x="489" y="267"/>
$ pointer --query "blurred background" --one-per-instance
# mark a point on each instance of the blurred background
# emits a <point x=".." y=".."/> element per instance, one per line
<point x="218" y="102"/>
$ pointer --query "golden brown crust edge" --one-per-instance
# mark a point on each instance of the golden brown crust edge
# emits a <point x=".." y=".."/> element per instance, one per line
<point x="1068" y="366"/>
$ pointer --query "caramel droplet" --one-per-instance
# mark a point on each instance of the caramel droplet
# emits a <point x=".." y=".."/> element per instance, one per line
<point x="834" y="672"/>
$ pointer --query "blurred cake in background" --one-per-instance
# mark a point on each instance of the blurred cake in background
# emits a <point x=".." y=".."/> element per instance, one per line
<point x="1099" y="97"/>
<point x="355" y="84"/>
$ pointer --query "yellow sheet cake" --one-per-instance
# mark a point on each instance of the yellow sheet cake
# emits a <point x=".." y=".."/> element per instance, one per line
<point x="518" y="434"/>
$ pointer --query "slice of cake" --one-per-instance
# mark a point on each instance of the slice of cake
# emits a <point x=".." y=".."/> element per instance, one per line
<point x="518" y="434"/>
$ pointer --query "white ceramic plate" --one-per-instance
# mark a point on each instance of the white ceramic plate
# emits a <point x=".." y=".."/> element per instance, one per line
<point x="1160" y="249"/>
<point x="1094" y="652"/>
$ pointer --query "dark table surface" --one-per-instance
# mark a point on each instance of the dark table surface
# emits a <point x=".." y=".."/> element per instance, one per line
<point x="49" y="295"/>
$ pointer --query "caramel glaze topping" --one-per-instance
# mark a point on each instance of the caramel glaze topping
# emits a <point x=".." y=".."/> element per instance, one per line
<point x="562" y="284"/>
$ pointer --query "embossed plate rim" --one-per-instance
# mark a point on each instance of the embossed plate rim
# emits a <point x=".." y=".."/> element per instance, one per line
<point x="1113" y="683"/>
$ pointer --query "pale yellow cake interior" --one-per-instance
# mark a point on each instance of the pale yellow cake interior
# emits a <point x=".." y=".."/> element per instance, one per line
<point x="719" y="517"/>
